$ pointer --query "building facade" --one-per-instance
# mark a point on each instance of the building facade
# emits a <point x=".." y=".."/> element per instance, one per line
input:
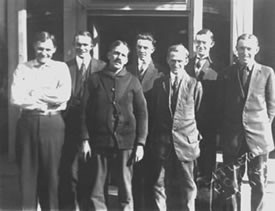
<point x="171" y="21"/>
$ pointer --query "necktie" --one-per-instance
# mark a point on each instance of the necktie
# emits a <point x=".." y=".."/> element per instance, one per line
<point x="174" y="94"/>
<point x="175" y="84"/>
<point x="81" y="79"/>
<point x="245" y="74"/>
<point x="198" y="66"/>
<point x="83" y="69"/>
<point x="141" y="69"/>
<point x="199" y="63"/>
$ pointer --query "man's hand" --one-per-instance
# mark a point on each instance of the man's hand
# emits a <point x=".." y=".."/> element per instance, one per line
<point x="139" y="153"/>
<point x="86" y="150"/>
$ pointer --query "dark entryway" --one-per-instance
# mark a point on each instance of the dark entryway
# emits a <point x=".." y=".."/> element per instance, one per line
<point x="167" y="31"/>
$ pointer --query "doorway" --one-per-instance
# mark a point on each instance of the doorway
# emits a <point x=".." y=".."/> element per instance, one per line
<point x="166" y="30"/>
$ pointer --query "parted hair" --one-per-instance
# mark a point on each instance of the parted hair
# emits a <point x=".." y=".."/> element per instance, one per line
<point x="118" y="43"/>
<point x="178" y="48"/>
<point x="251" y="37"/>
<point x="146" y="36"/>
<point x="43" y="36"/>
<point x="206" y="32"/>
<point x="185" y="54"/>
<point x="85" y="34"/>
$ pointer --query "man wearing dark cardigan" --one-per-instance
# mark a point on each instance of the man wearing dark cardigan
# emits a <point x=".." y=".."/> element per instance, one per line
<point x="114" y="126"/>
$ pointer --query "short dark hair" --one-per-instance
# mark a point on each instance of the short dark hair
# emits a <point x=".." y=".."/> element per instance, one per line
<point x="246" y="36"/>
<point x="146" y="36"/>
<point x="44" y="36"/>
<point x="206" y="32"/>
<point x="85" y="34"/>
<point x="118" y="43"/>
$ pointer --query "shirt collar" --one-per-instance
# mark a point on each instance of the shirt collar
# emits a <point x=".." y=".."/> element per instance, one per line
<point x="39" y="65"/>
<point x="173" y="76"/>
<point x="248" y="67"/>
<point x="86" y="61"/>
<point x="145" y="61"/>
<point x="204" y="58"/>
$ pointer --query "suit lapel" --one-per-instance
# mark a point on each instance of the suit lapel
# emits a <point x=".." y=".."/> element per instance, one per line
<point x="149" y="73"/>
<point x="254" y="76"/>
<point x="92" y="66"/>
<point x="166" y="85"/>
<point x="73" y="69"/>
<point x="191" y="68"/>
<point x="239" y="81"/>
<point x="205" y="65"/>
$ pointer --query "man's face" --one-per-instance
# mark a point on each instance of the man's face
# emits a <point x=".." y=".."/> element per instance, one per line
<point x="203" y="45"/>
<point x="83" y="46"/>
<point x="118" y="57"/>
<point x="177" y="61"/>
<point x="247" y="50"/>
<point x="144" y="49"/>
<point x="44" y="51"/>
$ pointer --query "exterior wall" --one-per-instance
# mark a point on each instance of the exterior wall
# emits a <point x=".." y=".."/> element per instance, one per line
<point x="3" y="78"/>
<point x="73" y="17"/>
<point x="264" y="29"/>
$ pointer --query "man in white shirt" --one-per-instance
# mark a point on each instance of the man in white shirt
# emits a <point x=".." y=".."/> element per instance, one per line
<point x="73" y="172"/>
<point x="41" y="89"/>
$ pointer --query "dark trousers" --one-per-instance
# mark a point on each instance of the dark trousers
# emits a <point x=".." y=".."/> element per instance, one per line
<point x="142" y="183"/>
<point x="257" y="176"/>
<point x="39" y="145"/>
<point x="174" y="187"/>
<point x="206" y="163"/>
<point x="138" y="186"/>
<point x="69" y="171"/>
<point x="103" y="160"/>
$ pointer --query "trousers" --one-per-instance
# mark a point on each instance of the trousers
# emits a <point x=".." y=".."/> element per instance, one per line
<point x="257" y="176"/>
<point x="103" y="161"/>
<point x="173" y="184"/>
<point x="39" y="141"/>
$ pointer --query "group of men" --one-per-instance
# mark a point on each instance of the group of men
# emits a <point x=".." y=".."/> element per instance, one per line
<point x="156" y="134"/>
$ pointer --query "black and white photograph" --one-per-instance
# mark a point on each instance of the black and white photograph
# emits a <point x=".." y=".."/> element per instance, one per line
<point x="137" y="105"/>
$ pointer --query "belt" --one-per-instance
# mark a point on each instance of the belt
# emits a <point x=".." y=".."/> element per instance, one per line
<point x="40" y="113"/>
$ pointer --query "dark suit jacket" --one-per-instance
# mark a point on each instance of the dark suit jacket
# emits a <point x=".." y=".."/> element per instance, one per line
<point x="73" y="112"/>
<point x="116" y="111"/>
<point x="251" y="114"/>
<point x="178" y="130"/>
<point x="152" y="73"/>
<point x="209" y="77"/>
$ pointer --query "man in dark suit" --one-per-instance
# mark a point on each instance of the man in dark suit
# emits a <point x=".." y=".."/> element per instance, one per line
<point x="248" y="110"/>
<point x="81" y="67"/>
<point x="205" y="70"/>
<point x="147" y="72"/>
<point x="174" y="138"/>
<point x="115" y="125"/>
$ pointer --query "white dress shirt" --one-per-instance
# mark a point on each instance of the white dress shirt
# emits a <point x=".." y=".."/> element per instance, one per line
<point x="86" y="60"/>
<point x="173" y="78"/>
<point x="44" y="87"/>
<point x="199" y="67"/>
<point x="143" y="66"/>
